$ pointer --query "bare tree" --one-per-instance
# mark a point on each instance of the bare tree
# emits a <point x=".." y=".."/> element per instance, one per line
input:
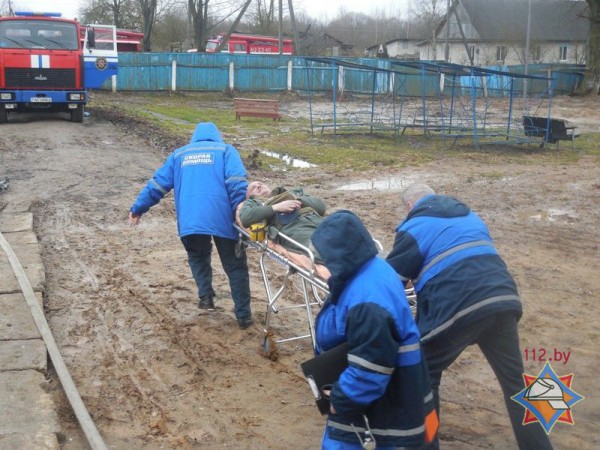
<point x="202" y="18"/>
<point x="121" y="13"/>
<point x="148" y="9"/>
<point x="264" y="17"/>
<point x="198" y="11"/>
<point x="387" y="26"/>
<point x="6" y="7"/>
<point x="591" y="80"/>
<point x="118" y="9"/>
<point x="351" y="27"/>
<point x="430" y="14"/>
<point x="171" y="31"/>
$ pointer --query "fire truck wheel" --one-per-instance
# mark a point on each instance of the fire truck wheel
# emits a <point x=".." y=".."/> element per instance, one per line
<point x="77" y="114"/>
<point x="3" y="115"/>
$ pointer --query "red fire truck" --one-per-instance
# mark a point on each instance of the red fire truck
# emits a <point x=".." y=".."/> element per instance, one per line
<point x="44" y="66"/>
<point x="250" y="44"/>
<point x="127" y="41"/>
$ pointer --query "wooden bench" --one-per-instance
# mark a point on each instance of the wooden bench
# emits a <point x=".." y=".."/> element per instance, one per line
<point x="251" y="107"/>
<point x="551" y="130"/>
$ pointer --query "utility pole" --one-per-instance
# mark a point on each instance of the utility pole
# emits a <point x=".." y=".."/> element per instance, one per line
<point x="233" y="27"/>
<point x="527" y="38"/>
<point x="447" y="49"/>
<point x="297" y="47"/>
<point x="280" y="29"/>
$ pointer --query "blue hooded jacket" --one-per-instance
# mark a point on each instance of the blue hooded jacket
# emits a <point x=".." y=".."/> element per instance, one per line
<point x="447" y="252"/>
<point x="386" y="379"/>
<point x="209" y="181"/>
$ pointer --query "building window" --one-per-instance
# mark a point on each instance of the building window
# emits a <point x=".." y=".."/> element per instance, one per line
<point x="501" y="52"/>
<point x="562" y="53"/>
<point x="535" y="54"/>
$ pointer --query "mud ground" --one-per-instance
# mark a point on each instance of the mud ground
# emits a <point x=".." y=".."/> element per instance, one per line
<point x="155" y="373"/>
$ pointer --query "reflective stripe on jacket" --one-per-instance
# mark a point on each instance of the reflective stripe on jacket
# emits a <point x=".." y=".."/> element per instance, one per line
<point x="386" y="379"/>
<point x="447" y="252"/>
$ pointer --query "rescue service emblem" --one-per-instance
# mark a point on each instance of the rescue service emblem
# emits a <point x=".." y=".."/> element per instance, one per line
<point x="101" y="63"/>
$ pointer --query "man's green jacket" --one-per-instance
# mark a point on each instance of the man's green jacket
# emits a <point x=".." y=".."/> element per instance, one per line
<point x="298" y="225"/>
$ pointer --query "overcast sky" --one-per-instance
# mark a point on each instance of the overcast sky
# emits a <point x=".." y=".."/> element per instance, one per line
<point x="314" y="8"/>
<point x="330" y="8"/>
<point x="68" y="8"/>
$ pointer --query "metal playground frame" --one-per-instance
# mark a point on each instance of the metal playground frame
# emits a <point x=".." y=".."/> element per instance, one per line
<point x="431" y="98"/>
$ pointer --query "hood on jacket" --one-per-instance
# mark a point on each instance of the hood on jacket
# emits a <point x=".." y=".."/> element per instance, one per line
<point x="206" y="131"/>
<point x="439" y="206"/>
<point x="344" y="245"/>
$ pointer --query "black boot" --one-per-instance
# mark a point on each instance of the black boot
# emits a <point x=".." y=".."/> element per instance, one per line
<point x="245" y="322"/>
<point x="206" y="302"/>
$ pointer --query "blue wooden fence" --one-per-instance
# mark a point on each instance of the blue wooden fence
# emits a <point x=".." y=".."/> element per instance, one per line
<point x="273" y="73"/>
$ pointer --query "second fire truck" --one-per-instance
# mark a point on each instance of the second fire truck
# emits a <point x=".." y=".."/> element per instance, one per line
<point x="251" y="44"/>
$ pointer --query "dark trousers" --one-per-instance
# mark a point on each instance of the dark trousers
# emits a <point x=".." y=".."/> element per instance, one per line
<point x="498" y="338"/>
<point x="199" y="250"/>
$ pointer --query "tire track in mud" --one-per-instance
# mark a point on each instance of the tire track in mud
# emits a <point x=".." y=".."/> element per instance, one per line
<point x="187" y="354"/>
<point x="203" y="371"/>
<point x="143" y="367"/>
<point x="129" y="389"/>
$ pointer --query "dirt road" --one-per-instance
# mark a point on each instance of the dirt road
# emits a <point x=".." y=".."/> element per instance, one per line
<point x="155" y="373"/>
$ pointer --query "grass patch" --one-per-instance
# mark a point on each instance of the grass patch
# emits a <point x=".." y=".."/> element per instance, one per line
<point x="492" y="175"/>
<point x="586" y="144"/>
<point x="358" y="152"/>
<point x="178" y="114"/>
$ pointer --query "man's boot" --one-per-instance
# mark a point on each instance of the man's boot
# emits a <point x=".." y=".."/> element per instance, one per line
<point x="206" y="302"/>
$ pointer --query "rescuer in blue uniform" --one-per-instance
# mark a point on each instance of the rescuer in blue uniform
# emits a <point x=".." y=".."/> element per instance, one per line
<point x="209" y="182"/>
<point x="384" y="392"/>
<point x="465" y="295"/>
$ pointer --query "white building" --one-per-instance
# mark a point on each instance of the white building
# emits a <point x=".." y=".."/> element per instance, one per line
<point x="400" y="48"/>
<point x="495" y="33"/>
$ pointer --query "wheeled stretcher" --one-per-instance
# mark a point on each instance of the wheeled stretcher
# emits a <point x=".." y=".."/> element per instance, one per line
<point x="313" y="284"/>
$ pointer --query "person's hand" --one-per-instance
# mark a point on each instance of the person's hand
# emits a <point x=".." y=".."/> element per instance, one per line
<point x="327" y="393"/>
<point x="134" y="219"/>
<point x="287" y="206"/>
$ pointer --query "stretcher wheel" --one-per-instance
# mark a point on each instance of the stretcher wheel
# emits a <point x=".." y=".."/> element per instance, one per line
<point x="268" y="347"/>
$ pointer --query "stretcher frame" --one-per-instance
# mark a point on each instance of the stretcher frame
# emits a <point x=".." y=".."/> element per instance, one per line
<point x="314" y="289"/>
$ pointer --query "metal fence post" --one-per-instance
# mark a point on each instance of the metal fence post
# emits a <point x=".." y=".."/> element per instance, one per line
<point x="174" y="75"/>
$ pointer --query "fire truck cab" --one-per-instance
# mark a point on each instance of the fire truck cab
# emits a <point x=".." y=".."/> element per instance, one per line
<point x="44" y="66"/>
<point x="250" y="44"/>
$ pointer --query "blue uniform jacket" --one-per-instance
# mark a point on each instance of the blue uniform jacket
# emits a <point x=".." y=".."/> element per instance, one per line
<point x="386" y="378"/>
<point x="447" y="252"/>
<point x="209" y="181"/>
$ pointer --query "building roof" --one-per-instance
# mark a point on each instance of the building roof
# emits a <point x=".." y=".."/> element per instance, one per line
<point x="506" y="20"/>
<point x="409" y="33"/>
<point x="324" y="38"/>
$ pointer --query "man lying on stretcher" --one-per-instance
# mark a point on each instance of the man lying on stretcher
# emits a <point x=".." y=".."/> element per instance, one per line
<point x="292" y="212"/>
